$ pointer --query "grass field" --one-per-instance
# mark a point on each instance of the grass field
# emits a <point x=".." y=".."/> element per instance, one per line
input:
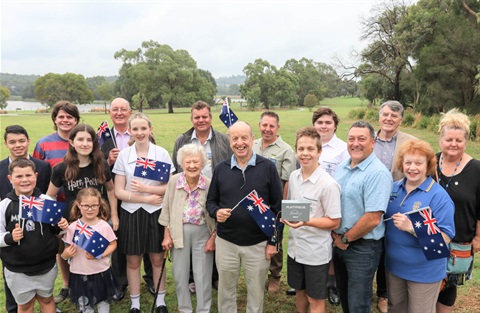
<point x="168" y="126"/>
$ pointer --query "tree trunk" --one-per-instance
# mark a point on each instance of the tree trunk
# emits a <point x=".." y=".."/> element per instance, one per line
<point x="170" y="107"/>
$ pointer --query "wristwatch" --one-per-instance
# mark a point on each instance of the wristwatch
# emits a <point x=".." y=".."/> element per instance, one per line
<point x="345" y="239"/>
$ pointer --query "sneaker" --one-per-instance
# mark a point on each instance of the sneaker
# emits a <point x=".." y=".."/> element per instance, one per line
<point x="382" y="304"/>
<point x="57" y="310"/>
<point x="62" y="295"/>
<point x="191" y="287"/>
<point x="273" y="284"/>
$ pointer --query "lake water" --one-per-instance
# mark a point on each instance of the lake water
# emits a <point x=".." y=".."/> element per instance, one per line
<point x="22" y="105"/>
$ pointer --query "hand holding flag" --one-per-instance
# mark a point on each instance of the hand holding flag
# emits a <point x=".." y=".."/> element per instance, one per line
<point x="41" y="210"/>
<point x="89" y="239"/>
<point x="429" y="235"/>
<point x="226" y="114"/>
<point x="260" y="212"/>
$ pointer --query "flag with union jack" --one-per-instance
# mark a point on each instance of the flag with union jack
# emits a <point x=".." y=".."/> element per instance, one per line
<point x="89" y="239"/>
<point x="103" y="133"/>
<point x="428" y="234"/>
<point x="41" y="210"/>
<point x="260" y="212"/>
<point x="226" y="114"/>
<point x="151" y="169"/>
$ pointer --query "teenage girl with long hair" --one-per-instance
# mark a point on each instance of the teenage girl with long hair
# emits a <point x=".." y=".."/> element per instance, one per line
<point x="82" y="167"/>
<point x="142" y="199"/>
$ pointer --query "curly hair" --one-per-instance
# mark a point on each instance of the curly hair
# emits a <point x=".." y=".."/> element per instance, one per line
<point x="418" y="147"/>
<point x="454" y="119"/>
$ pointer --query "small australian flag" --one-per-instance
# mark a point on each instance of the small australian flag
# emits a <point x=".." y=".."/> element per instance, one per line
<point x="429" y="235"/>
<point x="260" y="212"/>
<point x="151" y="169"/>
<point x="41" y="210"/>
<point x="226" y="115"/>
<point x="103" y="133"/>
<point x="89" y="239"/>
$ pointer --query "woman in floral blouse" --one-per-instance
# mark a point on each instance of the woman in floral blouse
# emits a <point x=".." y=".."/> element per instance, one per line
<point x="189" y="230"/>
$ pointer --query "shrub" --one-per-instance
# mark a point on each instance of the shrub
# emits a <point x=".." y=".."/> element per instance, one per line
<point x="424" y="122"/>
<point x="371" y="115"/>
<point x="408" y="118"/>
<point x="433" y="124"/>
<point x="417" y="117"/>
<point x="41" y="110"/>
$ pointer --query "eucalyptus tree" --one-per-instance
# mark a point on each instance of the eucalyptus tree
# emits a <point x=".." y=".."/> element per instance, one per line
<point x="165" y="77"/>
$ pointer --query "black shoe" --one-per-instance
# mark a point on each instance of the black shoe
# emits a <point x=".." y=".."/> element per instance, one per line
<point x="161" y="309"/>
<point x="62" y="295"/>
<point x="134" y="310"/>
<point x="151" y="289"/>
<point x="333" y="295"/>
<point x="118" y="296"/>
<point x="291" y="292"/>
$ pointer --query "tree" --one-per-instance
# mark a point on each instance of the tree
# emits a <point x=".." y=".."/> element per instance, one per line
<point x="93" y="83"/>
<point x="140" y="102"/>
<point x="310" y="101"/>
<point x="51" y="88"/>
<point x="260" y="75"/>
<point x="165" y="77"/>
<point x="105" y="93"/>
<point x="4" y="95"/>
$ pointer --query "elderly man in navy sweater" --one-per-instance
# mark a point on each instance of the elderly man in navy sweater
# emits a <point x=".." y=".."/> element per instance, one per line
<point x="240" y="241"/>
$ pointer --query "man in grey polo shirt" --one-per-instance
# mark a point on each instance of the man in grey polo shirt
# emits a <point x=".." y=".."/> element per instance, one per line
<point x="272" y="147"/>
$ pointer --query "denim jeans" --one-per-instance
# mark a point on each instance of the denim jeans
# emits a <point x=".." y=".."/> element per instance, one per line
<point x="354" y="272"/>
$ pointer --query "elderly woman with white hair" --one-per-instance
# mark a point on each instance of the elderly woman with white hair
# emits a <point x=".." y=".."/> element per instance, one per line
<point x="189" y="230"/>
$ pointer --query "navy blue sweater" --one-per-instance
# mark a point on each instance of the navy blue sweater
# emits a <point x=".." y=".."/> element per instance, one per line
<point x="229" y="186"/>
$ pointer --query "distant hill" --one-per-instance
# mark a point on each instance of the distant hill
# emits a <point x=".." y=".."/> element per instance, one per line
<point x="235" y="79"/>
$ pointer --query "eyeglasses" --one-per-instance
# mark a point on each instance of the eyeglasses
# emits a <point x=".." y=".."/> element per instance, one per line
<point x="92" y="207"/>
<point x="116" y="110"/>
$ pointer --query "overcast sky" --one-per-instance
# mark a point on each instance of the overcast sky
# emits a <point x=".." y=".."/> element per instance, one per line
<point x="38" y="37"/>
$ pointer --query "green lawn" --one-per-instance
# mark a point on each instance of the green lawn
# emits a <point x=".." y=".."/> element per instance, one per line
<point x="168" y="126"/>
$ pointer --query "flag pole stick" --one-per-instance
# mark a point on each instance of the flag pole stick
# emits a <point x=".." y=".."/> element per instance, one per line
<point x="408" y="213"/>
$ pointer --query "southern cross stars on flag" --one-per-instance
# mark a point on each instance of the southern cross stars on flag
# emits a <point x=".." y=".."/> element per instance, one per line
<point x="89" y="239"/>
<point x="151" y="169"/>
<point x="103" y="133"/>
<point x="226" y="115"/>
<point x="429" y="235"/>
<point x="260" y="212"/>
<point x="41" y="210"/>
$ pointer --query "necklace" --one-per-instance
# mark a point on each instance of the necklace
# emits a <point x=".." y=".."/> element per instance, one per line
<point x="456" y="167"/>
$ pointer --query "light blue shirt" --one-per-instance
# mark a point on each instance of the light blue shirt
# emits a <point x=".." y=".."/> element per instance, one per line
<point x="365" y="188"/>
<point x="252" y="162"/>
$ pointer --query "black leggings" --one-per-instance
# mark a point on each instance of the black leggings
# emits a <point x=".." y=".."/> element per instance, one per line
<point x="448" y="296"/>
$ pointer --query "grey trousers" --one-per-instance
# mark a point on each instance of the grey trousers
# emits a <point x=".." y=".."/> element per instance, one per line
<point x="194" y="239"/>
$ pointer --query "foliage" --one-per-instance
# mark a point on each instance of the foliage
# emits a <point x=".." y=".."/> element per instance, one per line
<point x="104" y="91"/>
<point x="19" y="85"/>
<point x="166" y="77"/>
<point x="310" y="101"/>
<point x="4" y="95"/>
<point x="371" y="115"/>
<point x="408" y="118"/>
<point x="52" y="87"/>
<point x="140" y="102"/>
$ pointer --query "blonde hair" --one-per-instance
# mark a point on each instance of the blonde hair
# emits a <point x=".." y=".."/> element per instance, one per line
<point x="454" y="119"/>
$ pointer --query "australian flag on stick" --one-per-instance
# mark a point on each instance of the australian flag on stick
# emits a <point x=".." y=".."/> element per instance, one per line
<point x="151" y="169"/>
<point x="103" y="133"/>
<point x="260" y="212"/>
<point x="428" y="234"/>
<point x="41" y="210"/>
<point x="89" y="239"/>
<point x="226" y="115"/>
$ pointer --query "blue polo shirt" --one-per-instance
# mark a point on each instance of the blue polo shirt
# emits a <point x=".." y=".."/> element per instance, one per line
<point x="365" y="188"/>
<point x="403" y="254"/>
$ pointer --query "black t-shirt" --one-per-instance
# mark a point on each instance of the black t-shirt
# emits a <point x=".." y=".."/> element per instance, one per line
<point x="85" y="179"/>
<point x="464" y="189"/>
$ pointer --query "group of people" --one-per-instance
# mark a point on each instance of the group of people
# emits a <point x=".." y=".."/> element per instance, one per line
<point x="362" y="195"/>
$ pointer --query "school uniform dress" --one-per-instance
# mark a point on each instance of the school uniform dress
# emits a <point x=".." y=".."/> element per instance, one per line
<point x="139" y="231"/>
